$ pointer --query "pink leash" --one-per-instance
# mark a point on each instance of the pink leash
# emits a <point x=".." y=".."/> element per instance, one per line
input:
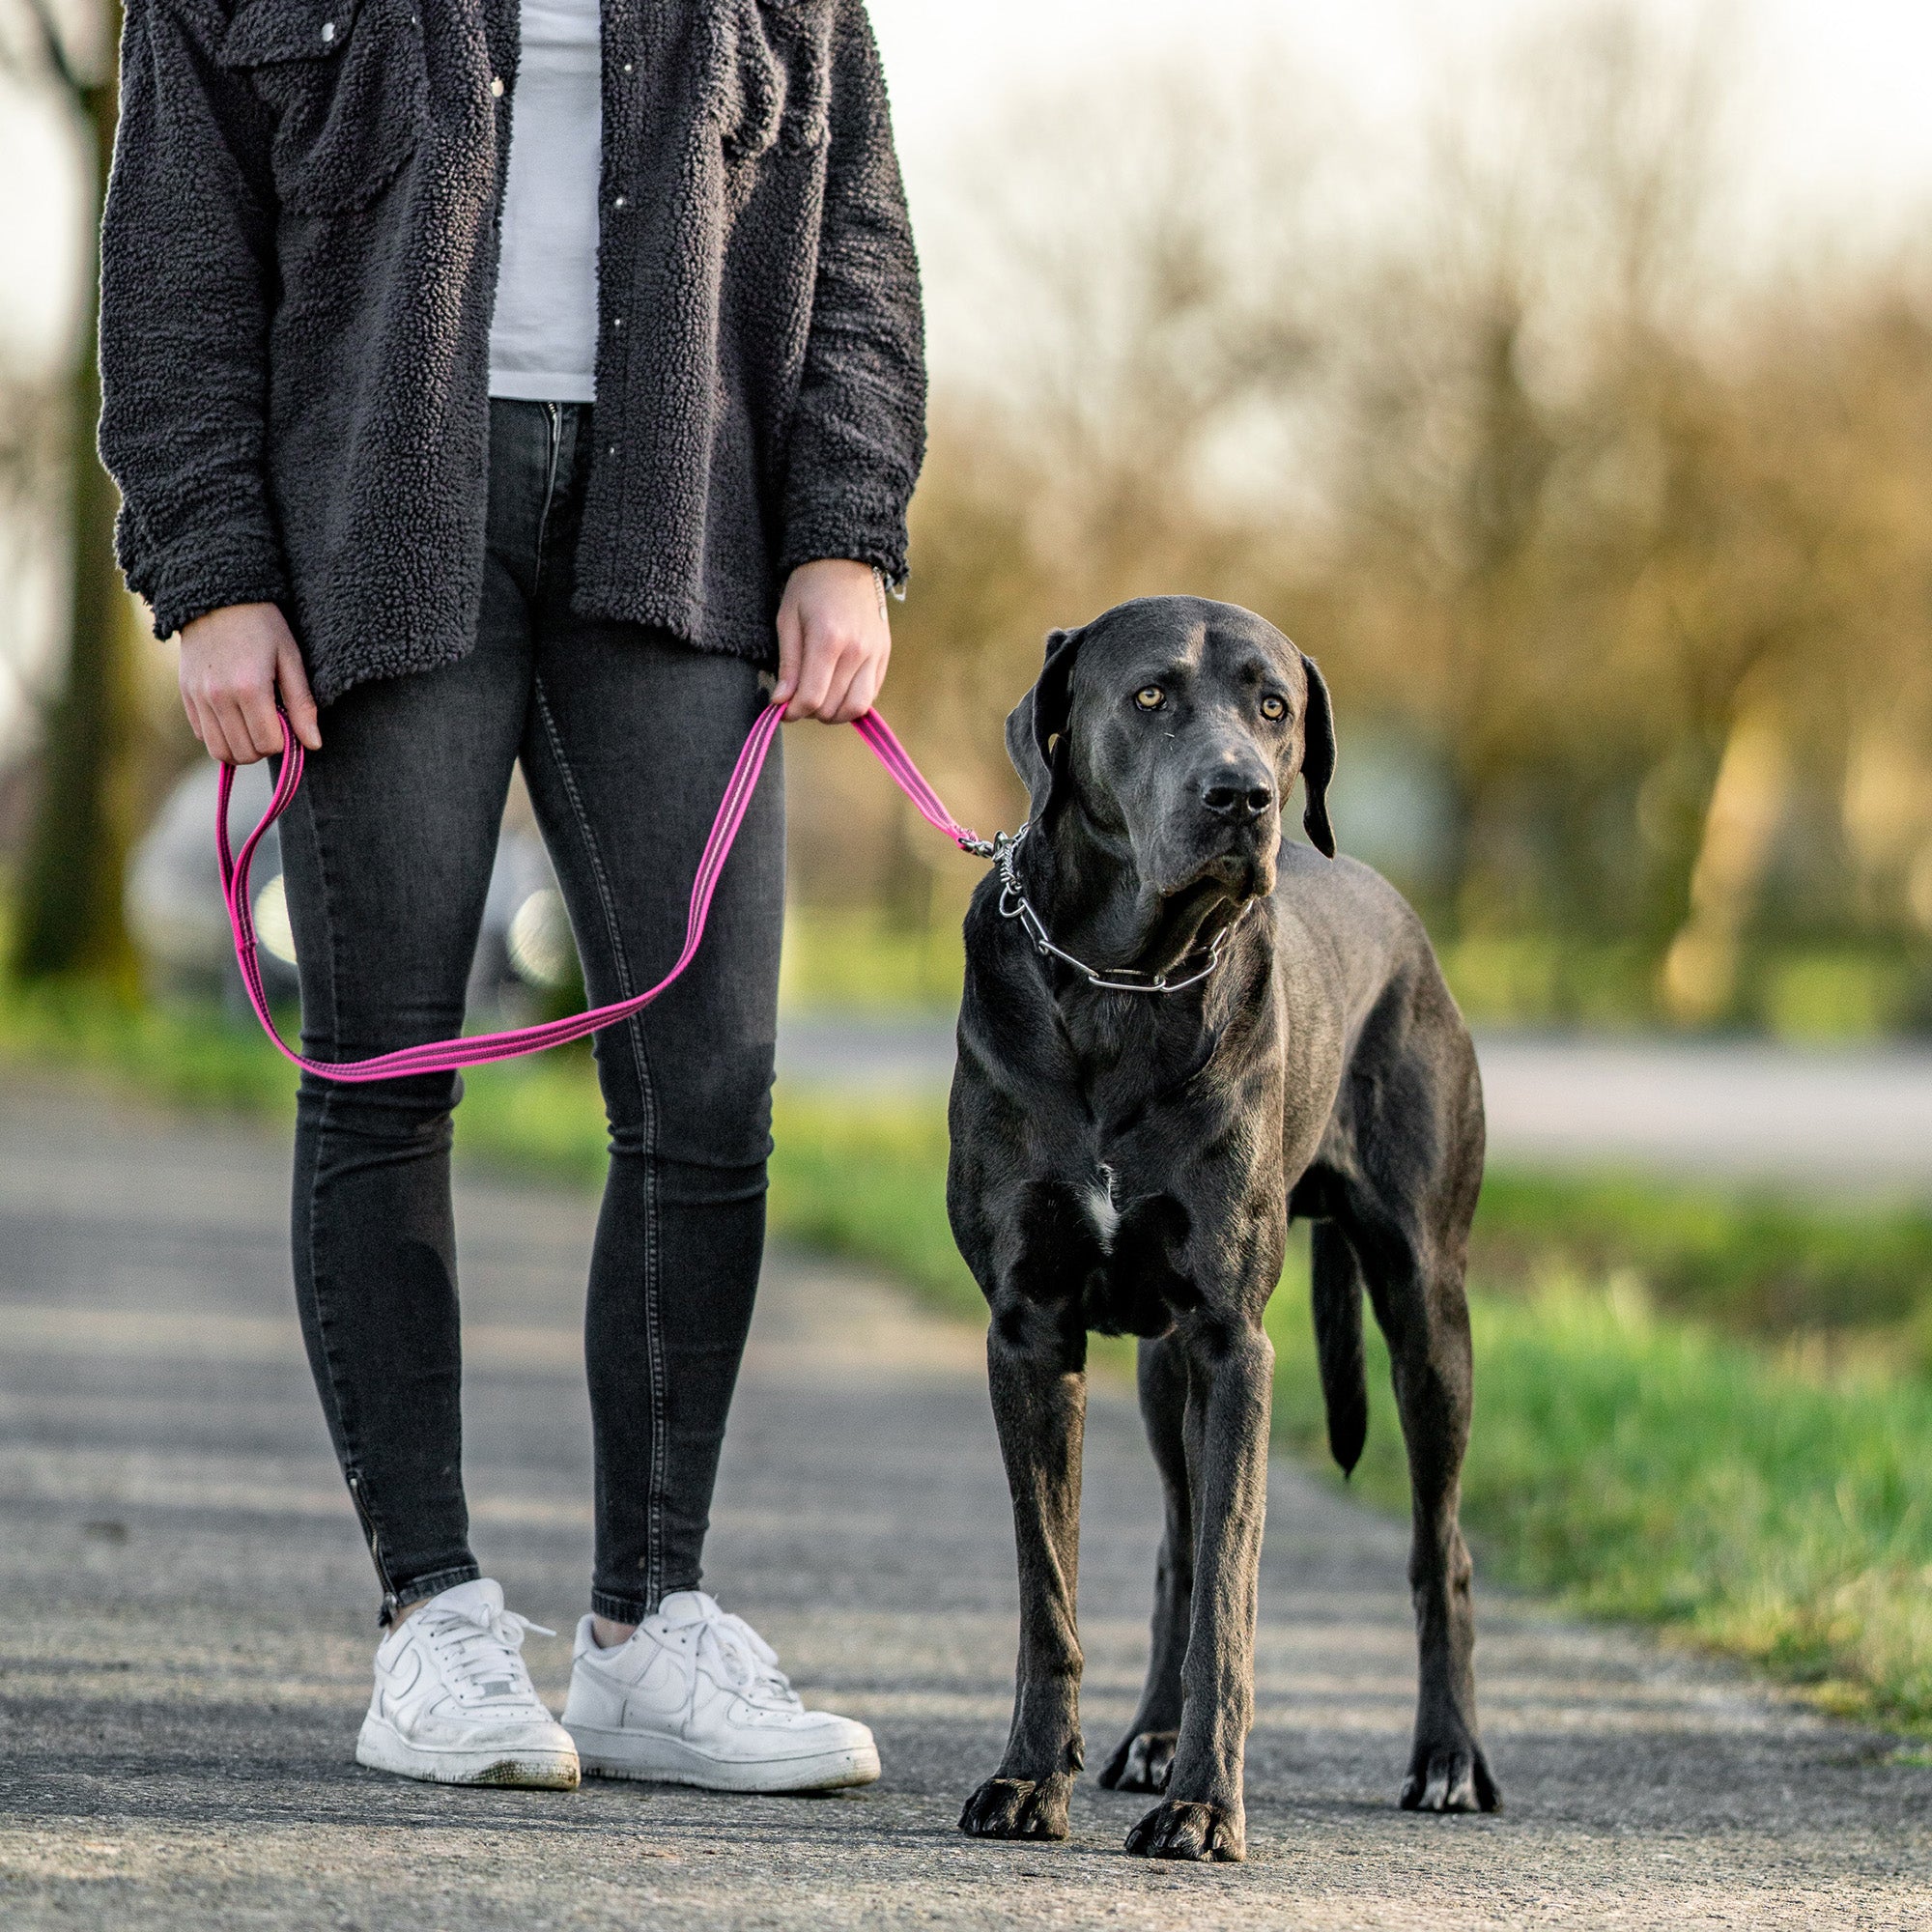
<point x="476" y="1049"/>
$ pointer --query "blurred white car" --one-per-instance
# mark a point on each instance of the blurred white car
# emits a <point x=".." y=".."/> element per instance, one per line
<point x="525" y="953"/>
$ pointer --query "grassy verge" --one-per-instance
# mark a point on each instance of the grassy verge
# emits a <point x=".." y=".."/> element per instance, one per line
<point x="1637" y="1452"/>
<point x="1643" y="1467"/>
<point x="1746" y="1261"/>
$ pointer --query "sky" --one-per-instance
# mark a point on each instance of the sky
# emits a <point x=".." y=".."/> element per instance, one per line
<point x="1836" y="91"/>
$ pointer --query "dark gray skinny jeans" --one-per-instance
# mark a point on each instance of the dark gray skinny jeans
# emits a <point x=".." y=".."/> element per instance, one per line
<point x="626" y="738"/>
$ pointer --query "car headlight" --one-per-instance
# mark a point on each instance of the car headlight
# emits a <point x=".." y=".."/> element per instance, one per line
<point x="273" y="930"/>
<point x="539" y="941"/>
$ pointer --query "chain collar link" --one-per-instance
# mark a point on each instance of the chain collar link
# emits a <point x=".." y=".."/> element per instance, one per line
<point x="1014" y="904"/>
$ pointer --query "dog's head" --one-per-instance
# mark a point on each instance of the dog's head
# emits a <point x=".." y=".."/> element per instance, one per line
<point x="1175" y="727"/>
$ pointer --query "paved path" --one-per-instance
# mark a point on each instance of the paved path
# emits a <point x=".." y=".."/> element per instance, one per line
<point x="186" y="1633"/>
<point x="1847" y="1117"/>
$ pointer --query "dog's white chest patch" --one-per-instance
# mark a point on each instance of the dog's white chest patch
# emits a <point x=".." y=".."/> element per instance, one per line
<point x="1100" y="1204"/>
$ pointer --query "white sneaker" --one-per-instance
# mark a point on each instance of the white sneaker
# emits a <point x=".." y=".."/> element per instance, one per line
<point x="696" y="1698"/>
<point x="454" y="1703"/>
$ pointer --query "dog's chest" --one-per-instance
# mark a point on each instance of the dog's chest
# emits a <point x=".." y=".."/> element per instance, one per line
<point x="1102" y="1209"/>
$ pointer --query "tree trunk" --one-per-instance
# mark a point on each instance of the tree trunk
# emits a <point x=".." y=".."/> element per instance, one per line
<point x="69" y="920"/>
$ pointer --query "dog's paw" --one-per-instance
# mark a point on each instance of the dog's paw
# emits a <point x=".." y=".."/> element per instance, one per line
<point x="1140" y="1763"/>
<point x="1450" y="1776"/>
<point x="1179" y="1829"/>
<point x="1016" y="1807"/>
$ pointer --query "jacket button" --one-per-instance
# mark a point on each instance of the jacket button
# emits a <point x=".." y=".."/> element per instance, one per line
<point x="627" y="67"/>
<point x="496" y="85"/>
<point x="327" y="32"/>
<point x="611" y="450"/>
<point x="620" y="201"/>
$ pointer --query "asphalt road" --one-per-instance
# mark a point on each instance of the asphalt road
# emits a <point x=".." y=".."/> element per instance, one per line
<point x="1840" y="1119"/>
<point x="187" y="1624"/>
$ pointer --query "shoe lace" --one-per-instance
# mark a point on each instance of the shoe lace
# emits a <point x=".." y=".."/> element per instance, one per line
<point x="486" y="1658"/>
<point x="743" y="1659"/>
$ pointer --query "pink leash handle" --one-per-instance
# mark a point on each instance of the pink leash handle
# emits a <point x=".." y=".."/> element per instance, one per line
<point x="442" y="1056"/>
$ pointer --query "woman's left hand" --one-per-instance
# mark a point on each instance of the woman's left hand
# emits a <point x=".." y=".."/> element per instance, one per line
<point x="833" y="642"/>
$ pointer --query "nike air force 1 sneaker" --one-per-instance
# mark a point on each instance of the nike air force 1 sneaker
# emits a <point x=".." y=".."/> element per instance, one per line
<point x="696" y="1698"/>
<point x="454" y="1703"/>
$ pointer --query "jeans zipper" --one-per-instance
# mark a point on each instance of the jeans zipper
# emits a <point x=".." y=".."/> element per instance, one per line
<point x="369" y="1530"/>
<point x="554" y="412"/>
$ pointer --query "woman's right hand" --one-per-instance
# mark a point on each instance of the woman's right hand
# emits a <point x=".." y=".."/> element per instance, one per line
<point x="232" y="663"/>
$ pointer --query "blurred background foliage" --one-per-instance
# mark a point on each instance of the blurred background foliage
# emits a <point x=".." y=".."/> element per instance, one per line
<point x="1611" y="524"/>
<point x="1613" y="539"/>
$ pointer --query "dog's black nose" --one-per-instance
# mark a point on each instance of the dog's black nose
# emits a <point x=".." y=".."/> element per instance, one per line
<point x="1231" y="799"/>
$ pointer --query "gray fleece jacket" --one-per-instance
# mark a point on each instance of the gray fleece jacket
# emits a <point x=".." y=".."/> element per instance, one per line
<point x="299" y="263"/>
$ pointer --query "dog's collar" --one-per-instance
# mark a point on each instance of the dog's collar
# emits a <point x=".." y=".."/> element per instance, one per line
<point x="1014" y="904"/>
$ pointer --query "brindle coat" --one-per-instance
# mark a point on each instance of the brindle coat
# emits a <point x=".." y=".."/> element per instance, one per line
<point x="1129" y="1162"/>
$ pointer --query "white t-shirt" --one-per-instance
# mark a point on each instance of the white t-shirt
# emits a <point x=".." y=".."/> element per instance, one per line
<point x="543" y="338"/>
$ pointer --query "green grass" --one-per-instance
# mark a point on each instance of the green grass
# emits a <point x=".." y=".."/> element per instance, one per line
<point x="1744" y="1259"/>
<point x="1639" y="1466"/>
<point x="856" y="959"/>
<point x="853" y="957"/>
<point x="1638" y="1451"/>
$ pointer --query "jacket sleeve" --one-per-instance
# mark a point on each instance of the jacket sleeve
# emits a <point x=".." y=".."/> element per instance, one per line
<point x="858" y="432"/>
<point x="186" y="280"/>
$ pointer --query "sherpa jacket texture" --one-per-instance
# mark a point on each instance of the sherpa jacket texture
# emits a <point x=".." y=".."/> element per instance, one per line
<point x="299" y="263"/>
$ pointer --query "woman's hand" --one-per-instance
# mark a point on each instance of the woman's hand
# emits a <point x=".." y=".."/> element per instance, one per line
<point x="834" y="640"/>
<point x="232" y="663"/>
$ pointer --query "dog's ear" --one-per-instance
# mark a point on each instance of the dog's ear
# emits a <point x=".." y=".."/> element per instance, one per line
<point x="1040" y="718"/>
<point x="1317" y="761"/>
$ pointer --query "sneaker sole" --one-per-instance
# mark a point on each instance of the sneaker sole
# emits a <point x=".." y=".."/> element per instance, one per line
<point x="661" y="1760"/>
<point x="382" y="1748"/>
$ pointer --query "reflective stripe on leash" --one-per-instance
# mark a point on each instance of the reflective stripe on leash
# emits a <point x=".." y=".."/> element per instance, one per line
<point x="444" y="1055"/>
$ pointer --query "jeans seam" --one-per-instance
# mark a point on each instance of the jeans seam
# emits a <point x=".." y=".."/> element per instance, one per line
<point x="351" y="1471"/>
<point x="640" y="1060"/>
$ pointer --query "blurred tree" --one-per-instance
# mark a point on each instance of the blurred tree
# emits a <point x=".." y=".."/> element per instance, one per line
<point x="32" y="417"/>
<point x="68" y="916"/>
<point x="1632" y="536"/>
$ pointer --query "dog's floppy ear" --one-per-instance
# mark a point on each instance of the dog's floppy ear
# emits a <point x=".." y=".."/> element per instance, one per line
<point x="1317" y="761"/>
<point x="1040" y="718"/>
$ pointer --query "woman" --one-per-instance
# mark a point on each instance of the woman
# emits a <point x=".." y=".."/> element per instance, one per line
<point x="546" y="390"/>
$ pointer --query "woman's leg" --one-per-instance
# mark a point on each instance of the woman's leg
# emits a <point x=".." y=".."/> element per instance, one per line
<point x="387" y="851"/>
<point x="630" y="739"/>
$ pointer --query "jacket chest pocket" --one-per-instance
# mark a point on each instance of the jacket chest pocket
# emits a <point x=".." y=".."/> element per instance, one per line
<point x="782" y="75"/>
<point x="346" y="85"/>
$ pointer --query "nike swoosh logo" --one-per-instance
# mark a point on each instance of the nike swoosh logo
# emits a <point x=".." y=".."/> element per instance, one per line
<point x="393" y="1693"/>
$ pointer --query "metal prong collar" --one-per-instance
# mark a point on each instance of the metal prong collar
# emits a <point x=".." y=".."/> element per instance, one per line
<point x="1014" y="904"/>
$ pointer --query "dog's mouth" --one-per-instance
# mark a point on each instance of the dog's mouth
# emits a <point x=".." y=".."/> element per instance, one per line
<point x="1196" y="908"/>
<point x="1240" y="868"/>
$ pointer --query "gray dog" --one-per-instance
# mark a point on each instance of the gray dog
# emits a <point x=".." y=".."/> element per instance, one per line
<point x="1179" y="1032"/>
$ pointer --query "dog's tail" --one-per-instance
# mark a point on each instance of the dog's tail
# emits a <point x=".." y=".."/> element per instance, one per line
<point x="1338" y="1341"/>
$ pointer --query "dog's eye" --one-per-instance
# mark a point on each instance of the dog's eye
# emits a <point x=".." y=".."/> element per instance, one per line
<point x="1274" y="708"/>
<point x="1150" y="697"/>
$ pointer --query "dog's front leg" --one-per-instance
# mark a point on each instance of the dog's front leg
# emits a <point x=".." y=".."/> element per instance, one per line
<point x="1039" y="1380"/>
<point x="1231" y="1379"/>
